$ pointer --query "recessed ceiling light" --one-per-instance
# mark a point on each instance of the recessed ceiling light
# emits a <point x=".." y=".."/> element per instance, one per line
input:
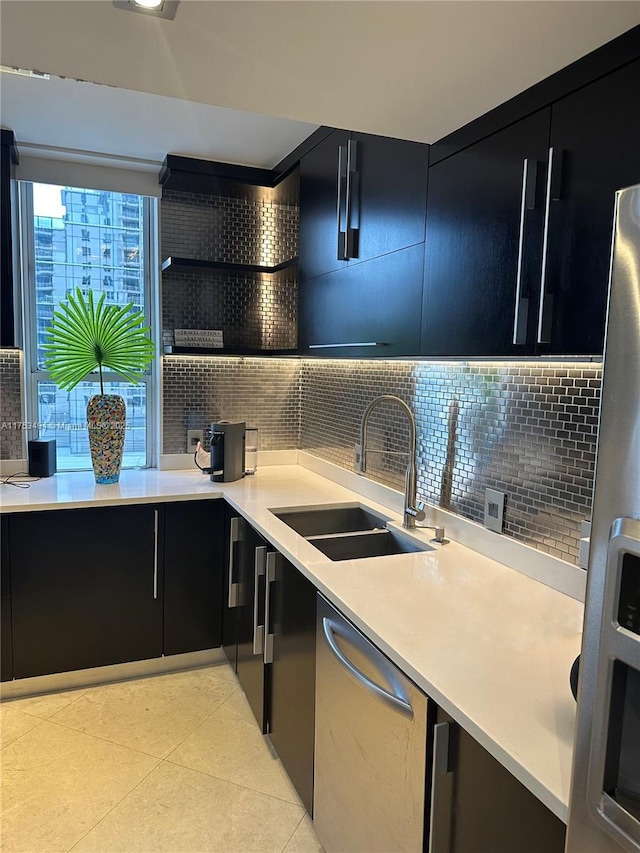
<point x="158" y="8"/>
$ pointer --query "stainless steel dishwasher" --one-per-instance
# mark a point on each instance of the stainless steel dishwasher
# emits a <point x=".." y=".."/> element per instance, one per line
<point x="371" y="738"/>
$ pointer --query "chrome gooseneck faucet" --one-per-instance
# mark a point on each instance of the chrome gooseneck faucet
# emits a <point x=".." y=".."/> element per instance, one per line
<point x="411" y="512"/>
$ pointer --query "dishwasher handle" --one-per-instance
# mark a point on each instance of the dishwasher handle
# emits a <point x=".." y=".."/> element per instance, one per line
<point x="398" y="703"/>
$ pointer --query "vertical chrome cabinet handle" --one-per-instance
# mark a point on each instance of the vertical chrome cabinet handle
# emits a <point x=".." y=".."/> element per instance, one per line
<point x="545" y="306"/>
<point x="233" y="538"/>
<point x="441" y="766"/>
<point x="352" y="165"/>
<point x="268" y="635"/>
<point x="342" y="176"/>
<point x="527" y="202"/>
<point x="156" y="545"/>
<point x="259" y="570"/>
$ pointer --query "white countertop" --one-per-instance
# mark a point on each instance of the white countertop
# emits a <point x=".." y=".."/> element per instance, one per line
<point x="490" y="645"/>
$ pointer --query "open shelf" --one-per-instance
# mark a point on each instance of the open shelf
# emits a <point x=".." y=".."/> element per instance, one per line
<point x="178" y="264"/>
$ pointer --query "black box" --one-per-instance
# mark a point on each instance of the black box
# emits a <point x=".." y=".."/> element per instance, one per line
<point x="42" y="457"/>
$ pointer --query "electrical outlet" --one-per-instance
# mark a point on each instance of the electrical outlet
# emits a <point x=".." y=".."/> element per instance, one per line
<point x="193" y="437"/>
<point x="494" y="510"/>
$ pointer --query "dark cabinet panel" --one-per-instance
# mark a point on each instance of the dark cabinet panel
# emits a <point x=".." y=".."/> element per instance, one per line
<point x="390" y="196"/>
<point x="319" y="207"/>
<point x="6" y="644"/>
<point x="484" y="213"/>
<point x="229" y="600"/>
<point x="376" y="302"/>
<point x="479" y="806"/>
<point x="292" y="709"/>
<point x="8" y="157"/>
<point x="382" y="197"/>
<point x="193" y="568"/>
<point x="595" y="134"/>
<point x="253" y="674"/>
<point x="86" y="587"/>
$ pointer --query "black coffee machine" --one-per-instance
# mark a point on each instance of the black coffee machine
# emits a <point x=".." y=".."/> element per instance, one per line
<point x="227" y="451"/>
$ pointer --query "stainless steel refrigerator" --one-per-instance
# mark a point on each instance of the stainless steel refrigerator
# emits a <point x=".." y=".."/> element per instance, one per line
<point x="604" y="811"/>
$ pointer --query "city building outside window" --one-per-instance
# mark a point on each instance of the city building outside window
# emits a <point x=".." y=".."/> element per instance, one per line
<point x="67" y="234"/>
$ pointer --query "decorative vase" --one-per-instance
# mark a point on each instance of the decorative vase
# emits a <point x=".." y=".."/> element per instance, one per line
<point x="106" y="420"/>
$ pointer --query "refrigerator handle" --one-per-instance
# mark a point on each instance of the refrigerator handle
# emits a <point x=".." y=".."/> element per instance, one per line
<point x="545" y="305"/>
<point x="527" y="202"/>
<point x="259" y="570"/>
<point x="270" y="578"/>
<point x="440" y="819"/>
<point x="234" y="537"/>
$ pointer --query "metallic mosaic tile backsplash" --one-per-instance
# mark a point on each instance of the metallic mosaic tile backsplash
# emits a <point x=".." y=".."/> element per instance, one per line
<point x="11" y="439"/>
<point x="526" y="429"/>
<point x="234" y="230"/>
<point x="254" y="311"/>
<point x="265" y="393"/>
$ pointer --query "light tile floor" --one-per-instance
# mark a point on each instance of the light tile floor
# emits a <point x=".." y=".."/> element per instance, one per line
<point x="171" y="763"/>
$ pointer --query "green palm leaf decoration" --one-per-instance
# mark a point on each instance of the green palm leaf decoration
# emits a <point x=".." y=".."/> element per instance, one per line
<point x="84" y="336"/>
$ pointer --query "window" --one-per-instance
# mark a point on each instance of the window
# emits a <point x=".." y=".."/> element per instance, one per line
<point x="58" y="224"/>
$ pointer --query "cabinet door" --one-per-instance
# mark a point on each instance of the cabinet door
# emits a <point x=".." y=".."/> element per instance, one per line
<point x="251" y="567"/>
<point x="595" y="134"/>
<point x="193" y="567"/>
<point x="376" y="303"/>
<point x="319" y="207"/>
<point x="293" y="673"/>
<point x="483" y="244"/>
<point x="477" y="805"/>
<point x="6" y="650"/>
<point x="390" y="196"/>
<point x="229" y="596"/>
<point x="86" y="588"/>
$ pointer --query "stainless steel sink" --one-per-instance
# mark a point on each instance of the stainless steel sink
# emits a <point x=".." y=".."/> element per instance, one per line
<point x="322" y="521"/>
<point x="379" y="543"/>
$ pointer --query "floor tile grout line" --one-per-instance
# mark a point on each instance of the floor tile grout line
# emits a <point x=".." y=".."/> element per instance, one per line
<point x="300" y="805"/>
<point x="24" y="734"/>
<point x="103" y="739"/>
<point x="186" y="737"/>
<point x="294" y="831"/>
<point x="115" y="806"/>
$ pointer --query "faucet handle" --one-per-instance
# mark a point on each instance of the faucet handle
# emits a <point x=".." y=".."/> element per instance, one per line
<point x="416" y="512"/>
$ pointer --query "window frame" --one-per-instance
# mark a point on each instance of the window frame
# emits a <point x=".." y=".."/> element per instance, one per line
<point x="150" y="278"/>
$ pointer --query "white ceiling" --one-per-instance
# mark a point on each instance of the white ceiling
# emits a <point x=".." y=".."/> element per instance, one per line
<point x="415" y="69"/>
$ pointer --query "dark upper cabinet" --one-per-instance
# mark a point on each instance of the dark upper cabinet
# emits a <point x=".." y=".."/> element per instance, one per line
<point x="319" y="207"/>
<point x="517" y="257"/>
<point x="477" y="805"/>
<point x="483" y="247"/>
<point x="193" y="568"/>
<point x="595" y="136"/>
<point x="8" y="159"/>
<point x="361" y="196"/>
<point x="364" y="310"/>
<point x="86" y="588"/>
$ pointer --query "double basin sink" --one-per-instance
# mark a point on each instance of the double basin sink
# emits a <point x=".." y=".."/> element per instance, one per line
<point x="348" y="532"/>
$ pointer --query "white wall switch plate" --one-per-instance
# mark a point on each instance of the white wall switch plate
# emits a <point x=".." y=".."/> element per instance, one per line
<point x="193" y="437"/>
<point x="494" y="510"/>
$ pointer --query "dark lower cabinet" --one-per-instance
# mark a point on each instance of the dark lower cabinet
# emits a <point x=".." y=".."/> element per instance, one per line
<point x="293" y="684"/>
<point x="193" y="567"/>
<point x="86" y="588"/>
<point x="370" y="309"/>
<point x="270" y="610"/>
<point x="6" y="648"/>
<point x="478" y="806"/>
